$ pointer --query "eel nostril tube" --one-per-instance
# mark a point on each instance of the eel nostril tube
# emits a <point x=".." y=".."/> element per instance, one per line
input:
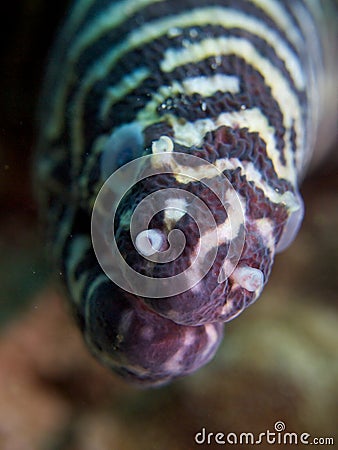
<point x="149" y="242"/>
<point x="249" y="278"/>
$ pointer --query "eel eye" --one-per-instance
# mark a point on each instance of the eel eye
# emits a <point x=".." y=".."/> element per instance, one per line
<point x="124" y="145"/>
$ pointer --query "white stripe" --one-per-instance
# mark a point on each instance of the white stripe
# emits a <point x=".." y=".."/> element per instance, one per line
<point x="212" y="339"/>
<point x="229" y="18"/>
<point x="280" y="89"/>
<point x="79" y="246"/>
<point x="118" y="91"/>
<point x="193" y="133"/>
<point x="55" y="121"/>
<point x="281" y="17"/>
<point x="63" y="231"/>
<point x="265" y="227"/>
<point x="313" y="62"/>
<point x="207" y="86"/>
<point x="248" y="169"/>
<point x="77" y="14"/>
<point x="88" y="192"/>
<point x="152" y="30"/>
<point x="252" y="174"/>
<point x="108" y="19"/>
<point x="100" y="279"/>
<point x="255" y="121"/>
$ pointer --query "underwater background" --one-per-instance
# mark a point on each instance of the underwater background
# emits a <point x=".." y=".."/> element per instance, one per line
<point x="278" y="360"/>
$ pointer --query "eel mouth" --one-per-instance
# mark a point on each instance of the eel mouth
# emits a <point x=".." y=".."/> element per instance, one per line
<point x="138" y="343"/>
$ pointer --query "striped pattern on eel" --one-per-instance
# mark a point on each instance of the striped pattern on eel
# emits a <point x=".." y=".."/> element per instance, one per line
<point x="238" y="83"/>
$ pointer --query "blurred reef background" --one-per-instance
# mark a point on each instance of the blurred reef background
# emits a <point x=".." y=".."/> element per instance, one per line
<point x="278" y="361"/>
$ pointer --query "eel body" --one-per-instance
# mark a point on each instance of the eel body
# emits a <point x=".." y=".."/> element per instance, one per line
<point x="174" y="135"/>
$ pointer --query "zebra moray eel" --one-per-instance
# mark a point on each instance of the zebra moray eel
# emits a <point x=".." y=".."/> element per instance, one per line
<point x="238" y="84"/>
